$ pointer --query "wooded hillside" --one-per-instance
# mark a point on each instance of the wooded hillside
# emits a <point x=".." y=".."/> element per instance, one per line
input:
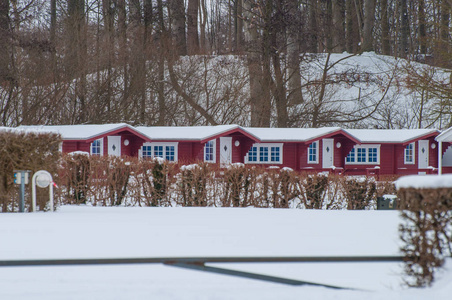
<point x="249" y="62"/>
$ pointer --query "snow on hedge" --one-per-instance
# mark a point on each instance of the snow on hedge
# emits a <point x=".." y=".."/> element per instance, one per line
<point x="424" y="182"/>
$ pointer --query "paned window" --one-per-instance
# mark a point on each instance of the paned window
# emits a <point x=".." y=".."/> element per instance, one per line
<point x="209" y="151"/>
<point x="167" y="151"/>
<point x="265" y="154"/>
<point x="158" y="151"/>
<point x="97" y="147"/>
<point x="409" y="154"/>
<point x="252" y="154"/>
<point x="361" y="154"/>
<point x="364" y="154"/>
<point x="312" y="153"/>
<point x="147" y="151"/>
<point x="351" y="156"/>
<point x="373" y="155"/>
<point x="275" y="154"/>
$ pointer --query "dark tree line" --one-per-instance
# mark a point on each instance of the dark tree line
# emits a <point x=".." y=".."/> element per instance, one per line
<point x="93" y="61"/>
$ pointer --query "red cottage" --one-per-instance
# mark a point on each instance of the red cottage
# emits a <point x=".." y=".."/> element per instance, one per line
<point x="330" y="149"/>
<point x="108" y="139"/>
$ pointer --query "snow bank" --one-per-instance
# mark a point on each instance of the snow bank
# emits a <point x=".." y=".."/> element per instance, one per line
<point x="424" y="182"/>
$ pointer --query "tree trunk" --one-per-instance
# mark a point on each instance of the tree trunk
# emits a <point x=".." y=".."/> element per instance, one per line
<point x="369" y="19"/>
<point x="404" y="30"/>
<point x="162" y="48"/>
<point x="352" y="27"/>
<point x="254" y="62"/>
<point x="338" y="8"/>
<point x="444" y="31"/>
<point x="123" y="57"/>
<point x="178" y="26"/>
<point x="238" y="25"/>
<point x="385" y="46"/>
<point x="138" y="61"/>
<point x="313" y="29"/>
<point x="192" y="27"/>
<point x="422" y="30"/>
<point x="293" y="53"/>
<point x="5" y="42"/>
<point x="108" y="46"/>
<point x="203" y="22"/>
<point x="76" y="57"/>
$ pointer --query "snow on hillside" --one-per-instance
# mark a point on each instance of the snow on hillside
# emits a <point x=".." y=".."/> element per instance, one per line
<point x="360" y="85"/>
<point x="367" y="90"/>
<point x="100" y="232"/>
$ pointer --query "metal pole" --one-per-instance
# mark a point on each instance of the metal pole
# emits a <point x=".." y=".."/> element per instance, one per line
<point x="440" y="157"/>
<point x="51" y="196"/>
<point x="33" y="193"/>
<point x="22" y="192"/>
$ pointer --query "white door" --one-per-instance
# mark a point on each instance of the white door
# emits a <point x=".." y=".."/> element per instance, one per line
<point x="423" y="154"/>
<point x="327" y="153"/>
<point x="114" y="145"/>
<point x="225" y="151"/>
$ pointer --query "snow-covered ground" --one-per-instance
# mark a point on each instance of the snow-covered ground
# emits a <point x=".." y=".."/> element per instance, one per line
<point x="119" y="232"/>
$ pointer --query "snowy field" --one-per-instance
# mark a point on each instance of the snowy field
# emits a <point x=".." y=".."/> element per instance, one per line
<point x="119" y="232"/>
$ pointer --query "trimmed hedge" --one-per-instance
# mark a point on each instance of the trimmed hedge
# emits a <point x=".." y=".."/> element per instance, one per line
<point x="426" y="231"/>
<point x="22" y="150"/>
<point x="110" y="181"/>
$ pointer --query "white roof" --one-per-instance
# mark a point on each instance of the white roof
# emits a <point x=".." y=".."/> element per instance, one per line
<point x="389" y="135"/>
<point x="290" y="134"/>
<point x="77" y="132"/>
<point x="192" y="133"/>
<point x="445" y="136"/>
<point x="198" y="133"/>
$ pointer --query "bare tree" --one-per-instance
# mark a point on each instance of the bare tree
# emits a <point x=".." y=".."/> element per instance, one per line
<point x="177" y="11"/>
<point x="192" y="27"/>
<point x="369" y="19"/>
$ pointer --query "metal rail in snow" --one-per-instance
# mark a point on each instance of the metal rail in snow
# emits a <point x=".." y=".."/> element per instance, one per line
<point x="198" y="263"/>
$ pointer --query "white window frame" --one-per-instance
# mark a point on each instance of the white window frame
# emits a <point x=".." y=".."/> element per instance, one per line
<point x="316" y="161"/>
<point x="413" y="154"/>
<point x="214" y="145"/>
<point x="269" y="146"/>
<point x="164" y="145"/>
<point x="367" y="162"/>
<point x="101" y="148"/>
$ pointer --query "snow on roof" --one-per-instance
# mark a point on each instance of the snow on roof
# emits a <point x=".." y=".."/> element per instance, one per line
<point x="198" y="133"/>
<point x="185" y="132"/>
<point x="389" y="135"/>
<point x="290" y="134"/>
<point x="24" y="129"/>
<point x="424" y="181"/>
<point x="445" y="136"/>
<point x="77" y="132"/>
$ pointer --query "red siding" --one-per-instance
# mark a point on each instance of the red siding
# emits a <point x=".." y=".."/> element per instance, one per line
<point x="70" y="146"/>
<point x="294" y="155"/>
<point x="185" y="153"/>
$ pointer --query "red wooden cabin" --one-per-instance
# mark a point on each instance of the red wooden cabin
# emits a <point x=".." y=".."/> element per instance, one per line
<point x="330" y="149"/>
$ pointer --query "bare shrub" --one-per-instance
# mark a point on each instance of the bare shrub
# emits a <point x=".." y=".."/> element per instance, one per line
<point x="426" y="232"/>
<point x="236" y="182"/>
<point x="313" y="190"/>
<point x="193" y="185"/>
<point x="359" y="192"/>
<point x="76" y="177"/>
<point x="152" y="182"/>
<point x="287" y="188"/>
